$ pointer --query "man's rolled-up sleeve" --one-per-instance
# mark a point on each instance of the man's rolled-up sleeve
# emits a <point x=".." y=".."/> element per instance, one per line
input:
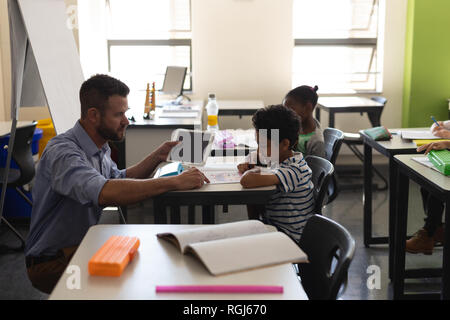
<point x="72" y="176"/>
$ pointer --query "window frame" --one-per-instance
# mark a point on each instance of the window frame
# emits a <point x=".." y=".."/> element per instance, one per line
<point x="172" y="42"/>
<point x="159" y="42"/>
<point x="371" y="42"/>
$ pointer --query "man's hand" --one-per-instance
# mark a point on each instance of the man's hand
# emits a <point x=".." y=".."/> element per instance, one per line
<point x="163" y="150"/>
<point x="441" y="132"/>
<point x="434" y="146"/>
<point x="191" y="179"/>
<point x="242" y="167"/>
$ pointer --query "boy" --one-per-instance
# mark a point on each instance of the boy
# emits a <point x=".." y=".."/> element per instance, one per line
<point x="293" y="203"/>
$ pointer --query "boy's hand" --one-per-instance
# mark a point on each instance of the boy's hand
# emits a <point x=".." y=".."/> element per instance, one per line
<point x="252" y="171"/>
<point x="434" y="146"/>
<point x="441" y="132"/>
<point x="243" y="167"/>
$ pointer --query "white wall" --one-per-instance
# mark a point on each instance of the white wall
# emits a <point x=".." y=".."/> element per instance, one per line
<point x="242" y="49"/>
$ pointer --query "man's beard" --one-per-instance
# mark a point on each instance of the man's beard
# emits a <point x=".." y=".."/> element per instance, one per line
<point x="108" y="133"/>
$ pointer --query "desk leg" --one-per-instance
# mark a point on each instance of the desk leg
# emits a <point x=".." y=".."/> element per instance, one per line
<point x="445" y="295"/>
<point x="208" y="214"/>
<point x="374" y="118"/>
<point x="393" y="173"/>
<point x="367" y="195"/>
<point x="331" y="119"/>
<point x="159" y="212"/>
<point x="175" y="215"/>
<point x="191" y="214"/>
<point x="318" y="114"/>
<point x="401" y="219"/>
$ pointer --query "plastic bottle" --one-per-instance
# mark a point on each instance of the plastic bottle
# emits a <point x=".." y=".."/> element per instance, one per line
<point x="212" y="109"/>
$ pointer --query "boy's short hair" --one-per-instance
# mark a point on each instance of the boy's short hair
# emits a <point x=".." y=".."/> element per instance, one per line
<point x="95" y="92"/>
<point x="304" y="94"/>
<point x="281" y="118"/>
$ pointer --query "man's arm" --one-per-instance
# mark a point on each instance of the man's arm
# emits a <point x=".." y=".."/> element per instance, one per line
<point x="128" y="191"/>
<point x="144" y="169"/>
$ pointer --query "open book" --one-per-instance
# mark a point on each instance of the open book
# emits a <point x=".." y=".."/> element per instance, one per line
<point x="237" y="246"/>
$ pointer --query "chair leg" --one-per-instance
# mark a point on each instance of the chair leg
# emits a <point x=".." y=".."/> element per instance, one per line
<point x="121" y="216"/>
<point x="360" y="156"/>
<point x="18" y="235"/>
<point x="24" y="196"/>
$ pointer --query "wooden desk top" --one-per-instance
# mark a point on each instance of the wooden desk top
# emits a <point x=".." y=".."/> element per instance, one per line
<point x="159" y="262"/>
<point x="439" y="180"/>
<point x="347" y="103"/>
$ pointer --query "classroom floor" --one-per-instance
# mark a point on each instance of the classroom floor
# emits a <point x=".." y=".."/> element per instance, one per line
<point x="346" y="209"/>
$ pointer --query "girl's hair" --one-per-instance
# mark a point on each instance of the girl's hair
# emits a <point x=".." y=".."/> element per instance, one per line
<point x="304" y="94"/>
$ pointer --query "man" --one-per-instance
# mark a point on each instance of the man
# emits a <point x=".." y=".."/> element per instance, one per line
<point x="76" y="178"/>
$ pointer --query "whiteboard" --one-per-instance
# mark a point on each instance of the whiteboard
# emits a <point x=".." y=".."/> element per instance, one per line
<point x="56" y="58"/>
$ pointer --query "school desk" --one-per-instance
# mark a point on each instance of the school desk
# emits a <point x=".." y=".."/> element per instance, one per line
<point x="349" y="104"/>
<point x="208" y="196"/>
<point x="158" y="262"/>
<point x="239" y="107"/>
<point x="437" y="184"/>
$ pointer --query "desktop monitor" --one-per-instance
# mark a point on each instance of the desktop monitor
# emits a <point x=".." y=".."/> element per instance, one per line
<point x="174" y="80"/>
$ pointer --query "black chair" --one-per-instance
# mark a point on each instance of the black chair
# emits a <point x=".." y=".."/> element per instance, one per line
<point x="351" y="140"/>
<point x="330" y="249"/>
<point x="322" y="171"/>
<point x="333" y="139"/>
<point x="23" y="157"/>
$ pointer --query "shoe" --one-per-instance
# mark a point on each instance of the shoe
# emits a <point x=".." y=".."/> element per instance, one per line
<point x="438" y="236"/>
<point x="420" y="242"/>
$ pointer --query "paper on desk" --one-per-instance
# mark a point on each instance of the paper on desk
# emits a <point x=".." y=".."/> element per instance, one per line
<point x="226" y="176"/>
<point x="418" y="134"/>
<point x="426" y="162"/>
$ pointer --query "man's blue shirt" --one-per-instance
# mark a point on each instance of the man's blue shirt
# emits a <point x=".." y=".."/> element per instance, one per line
<point x="70" y="175"/>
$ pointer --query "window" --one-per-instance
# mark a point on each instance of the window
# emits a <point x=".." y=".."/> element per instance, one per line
<point x="336" y="44"/>
<point x="145" y="36"/>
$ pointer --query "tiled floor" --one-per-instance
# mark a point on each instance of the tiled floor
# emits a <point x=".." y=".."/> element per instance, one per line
<point x="347" y="209"/>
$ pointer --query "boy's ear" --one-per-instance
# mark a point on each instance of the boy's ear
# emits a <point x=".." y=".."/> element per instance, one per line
<point x="284" y="144"/>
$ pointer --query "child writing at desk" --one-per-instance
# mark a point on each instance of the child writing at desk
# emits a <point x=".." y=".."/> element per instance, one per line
<point x="432" y="233"/>
<point x="303" y="100"/>
<point x="293" y="203"/>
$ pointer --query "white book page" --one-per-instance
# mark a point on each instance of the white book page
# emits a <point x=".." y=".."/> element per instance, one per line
<point x="222" y="231"/>
<point x="426" y="162"/>
<point x="418" y="134"/>
<point x="224" y="176"/>
<point x="247" y="252"/>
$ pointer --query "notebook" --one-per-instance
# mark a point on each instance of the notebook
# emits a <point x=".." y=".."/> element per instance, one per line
<point x="218" y="246"/>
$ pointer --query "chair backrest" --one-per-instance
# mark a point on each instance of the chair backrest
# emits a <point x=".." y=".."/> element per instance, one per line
<point x="22" y="154"/>
<point x="379" y="99"/>
<point x="333" y="140"/>
<point x="330" y="249"/>
<point x="322" y="170"/>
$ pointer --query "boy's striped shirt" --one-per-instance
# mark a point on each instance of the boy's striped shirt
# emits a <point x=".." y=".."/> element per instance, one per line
<point x="293" y="204"/>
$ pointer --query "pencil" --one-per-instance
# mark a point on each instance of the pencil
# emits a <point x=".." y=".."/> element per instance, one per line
<point x="219" y="289"/>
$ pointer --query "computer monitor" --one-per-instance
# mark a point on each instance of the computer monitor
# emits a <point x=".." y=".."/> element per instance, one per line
<point x="174" y="80"/>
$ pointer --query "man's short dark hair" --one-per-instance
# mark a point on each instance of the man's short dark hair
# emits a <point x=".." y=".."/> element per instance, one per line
<point x="95" y="92"/>
<point x="281" y="118"/>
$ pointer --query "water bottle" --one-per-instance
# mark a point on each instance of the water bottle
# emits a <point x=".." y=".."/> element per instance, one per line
<point x="212" y="109"/>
